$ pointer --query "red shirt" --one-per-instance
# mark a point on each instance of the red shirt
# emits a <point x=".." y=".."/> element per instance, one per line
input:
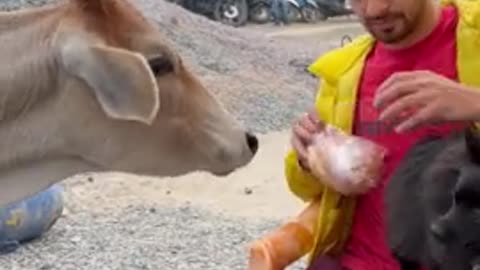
<point x="367" y="247"/>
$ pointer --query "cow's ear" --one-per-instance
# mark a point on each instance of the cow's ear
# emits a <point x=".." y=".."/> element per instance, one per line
<point x="122" y="81"/>
<point x="472" y="143"/>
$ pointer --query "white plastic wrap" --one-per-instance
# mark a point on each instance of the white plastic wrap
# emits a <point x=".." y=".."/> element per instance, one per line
<point x="349" y="164"/>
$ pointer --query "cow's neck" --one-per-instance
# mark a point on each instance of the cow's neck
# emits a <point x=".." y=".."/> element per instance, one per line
<point x="28" y="77"/>
<point x="12" y="20"/>
<point x="28" y="63"/>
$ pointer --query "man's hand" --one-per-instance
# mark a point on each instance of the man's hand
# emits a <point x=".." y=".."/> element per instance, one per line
<point x="433" y="98"/>
<point x="302" y="135"/>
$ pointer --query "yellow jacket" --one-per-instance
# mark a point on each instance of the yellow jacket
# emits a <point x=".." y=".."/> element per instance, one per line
<point x="340" y="70"/>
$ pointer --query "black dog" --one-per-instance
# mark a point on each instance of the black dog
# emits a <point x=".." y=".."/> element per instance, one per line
<point x="433" y="205"/>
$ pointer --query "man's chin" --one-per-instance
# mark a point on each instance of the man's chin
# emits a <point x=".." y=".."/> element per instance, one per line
<point x="388" y="37"/>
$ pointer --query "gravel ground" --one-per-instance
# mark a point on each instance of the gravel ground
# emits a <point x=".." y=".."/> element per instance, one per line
<point x="184" y="238"/>
<point x="261" y="81"/>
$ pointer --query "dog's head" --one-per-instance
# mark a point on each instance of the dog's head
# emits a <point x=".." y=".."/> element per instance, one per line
<point x="456" y="232"/>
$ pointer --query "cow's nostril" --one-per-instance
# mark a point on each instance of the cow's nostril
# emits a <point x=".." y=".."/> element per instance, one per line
<point x="252" y="142"/>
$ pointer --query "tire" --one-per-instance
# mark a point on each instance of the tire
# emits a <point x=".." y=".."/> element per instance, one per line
<point x="311" y="14"/>
<point x="294" y="14"/>
<point x="260" y="13"/>
<point x="231" y="12"/>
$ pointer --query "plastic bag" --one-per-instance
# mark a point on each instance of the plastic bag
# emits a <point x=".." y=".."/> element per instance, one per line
<point x="349" y="164"/>
<point x="287" y="244"/>
<point x="30" y="218"/>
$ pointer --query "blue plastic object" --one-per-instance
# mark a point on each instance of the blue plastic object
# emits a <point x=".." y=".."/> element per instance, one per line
<point x="29" y="219"/>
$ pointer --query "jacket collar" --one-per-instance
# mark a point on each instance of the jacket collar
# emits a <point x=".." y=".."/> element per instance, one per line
<point x="333" y="64"/>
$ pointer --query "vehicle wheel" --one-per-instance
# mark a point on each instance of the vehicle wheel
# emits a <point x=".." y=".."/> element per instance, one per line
<point x="311" y="14"/>
<point x="260" y="13"/>
<point x="231" y="12"/>
<point x="294" y="14"/>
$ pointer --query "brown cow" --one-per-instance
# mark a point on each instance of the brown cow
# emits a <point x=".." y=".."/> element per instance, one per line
<point x="90" y="85"/>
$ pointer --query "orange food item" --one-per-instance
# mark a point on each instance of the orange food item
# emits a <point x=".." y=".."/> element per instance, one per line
<point x="349" y="164"/>
<point x="287" y="244"/>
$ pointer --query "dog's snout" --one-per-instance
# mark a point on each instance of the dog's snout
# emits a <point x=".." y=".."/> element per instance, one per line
<point x="440" y="231"/>
<point x="252" y="142"/>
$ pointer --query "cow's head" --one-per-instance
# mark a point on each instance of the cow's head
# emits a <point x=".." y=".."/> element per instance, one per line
<point x="131" y="102"/>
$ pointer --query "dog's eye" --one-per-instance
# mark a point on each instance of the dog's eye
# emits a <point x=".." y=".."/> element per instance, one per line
<point x="160" y="66"/>
<point x="468" y="198"/>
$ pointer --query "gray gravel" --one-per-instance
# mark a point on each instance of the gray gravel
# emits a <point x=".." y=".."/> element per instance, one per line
<point x="262" y="82"/>
<point x="184" y="238"/>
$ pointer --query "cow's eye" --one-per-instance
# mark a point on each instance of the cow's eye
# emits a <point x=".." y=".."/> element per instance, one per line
<point x="160" y="65"/>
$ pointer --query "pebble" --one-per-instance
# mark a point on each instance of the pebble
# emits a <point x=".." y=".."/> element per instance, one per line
<point x="76" y="239"/>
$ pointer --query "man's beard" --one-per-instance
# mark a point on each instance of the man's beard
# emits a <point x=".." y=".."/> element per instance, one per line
<point x="402" y="28"/>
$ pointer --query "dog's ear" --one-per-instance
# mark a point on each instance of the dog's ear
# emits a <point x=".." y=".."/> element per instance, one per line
<point x="472" y="143"/>
<point x="123" y="81"/>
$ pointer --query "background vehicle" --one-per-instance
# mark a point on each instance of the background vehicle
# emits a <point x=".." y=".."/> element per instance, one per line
<point x="239" y="12"/>
<point x="328" y="9"/>
<point x="231" y="12"/>
<point x="259" y="11"/>
<point x="304" y="10"/>
<point x="310" y="11"/>
<point x="294" y="10"/>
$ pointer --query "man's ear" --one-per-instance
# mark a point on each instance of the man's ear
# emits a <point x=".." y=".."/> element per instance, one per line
<point x="472" y="143"/>
<point x="122" y="81"/>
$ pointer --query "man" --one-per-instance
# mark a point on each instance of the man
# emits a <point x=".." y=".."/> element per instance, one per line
<point x="280" y="11"/>
<point x="414" y="74"/>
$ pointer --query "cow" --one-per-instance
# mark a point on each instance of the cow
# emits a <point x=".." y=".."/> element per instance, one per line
<point x="433" y="204"/>
<point x="92" y="85"/>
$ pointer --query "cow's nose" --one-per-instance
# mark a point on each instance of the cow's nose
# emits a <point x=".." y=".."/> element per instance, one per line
<point x="252" y="142"/>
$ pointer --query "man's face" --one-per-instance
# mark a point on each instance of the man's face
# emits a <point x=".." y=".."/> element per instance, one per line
<point x="389" y="21"/>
